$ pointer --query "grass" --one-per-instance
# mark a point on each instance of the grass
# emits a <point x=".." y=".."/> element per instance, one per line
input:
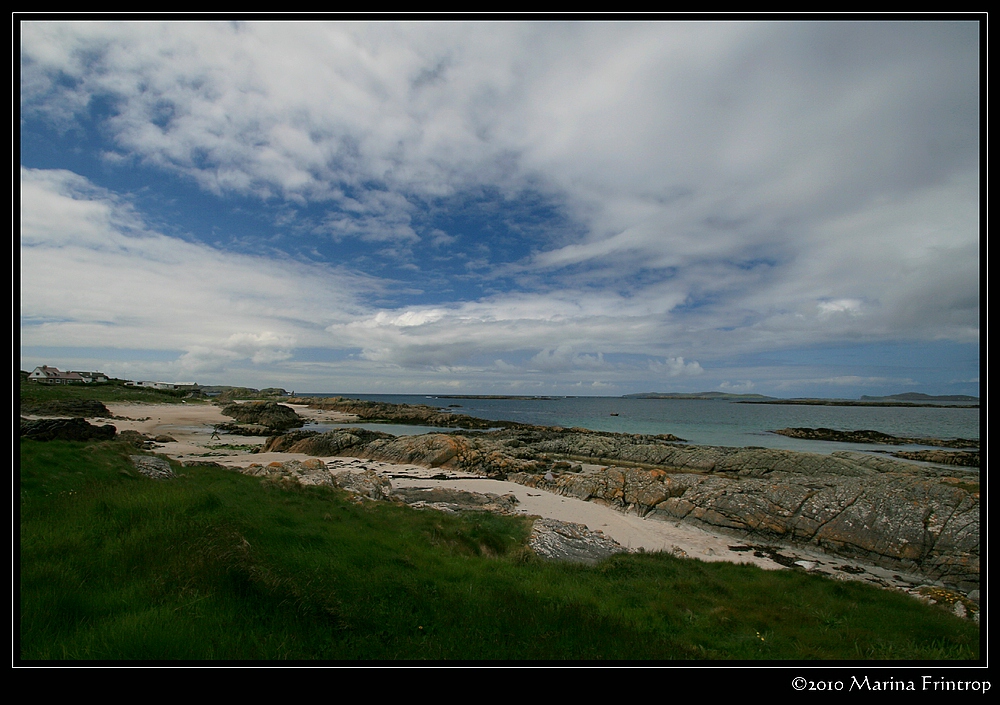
<point x="34" y="392"/>
<point x="217" y="565"/>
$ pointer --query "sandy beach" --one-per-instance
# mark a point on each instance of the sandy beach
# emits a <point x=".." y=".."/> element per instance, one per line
<point x="191" y="425"/>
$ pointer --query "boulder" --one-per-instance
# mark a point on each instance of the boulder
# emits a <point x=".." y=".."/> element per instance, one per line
<point x="566" y="541"/>
<point x="152" y="467"/>
<point x="366" y="483"/>
<point x="270" y="414"/>
<point x="446" y="499"/>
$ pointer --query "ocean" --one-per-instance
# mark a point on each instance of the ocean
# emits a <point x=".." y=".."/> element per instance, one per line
<point x="702" y="422"/>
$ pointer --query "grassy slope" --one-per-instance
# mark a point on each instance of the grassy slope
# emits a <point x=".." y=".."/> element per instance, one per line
<point x="217" y="565"/>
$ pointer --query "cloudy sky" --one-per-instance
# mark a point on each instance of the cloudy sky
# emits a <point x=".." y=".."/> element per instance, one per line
<point x="784" y="208"/>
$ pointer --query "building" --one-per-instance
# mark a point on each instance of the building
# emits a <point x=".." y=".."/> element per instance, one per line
<point x="91" y="376"/>
<point x="51" y="375"/>
<point x="168" y="386"/>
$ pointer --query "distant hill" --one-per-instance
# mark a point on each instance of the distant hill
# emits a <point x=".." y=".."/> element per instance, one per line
<point x="917" y="396"/>
<point x="695" y="395"/>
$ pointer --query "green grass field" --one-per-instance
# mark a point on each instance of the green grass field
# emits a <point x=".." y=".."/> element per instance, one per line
<point x="217" y="565"/>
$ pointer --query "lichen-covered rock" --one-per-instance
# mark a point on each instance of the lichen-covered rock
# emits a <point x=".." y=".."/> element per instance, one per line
<point x="307" y="472"/>
<point x="366" y="483"/>
<point x="152" y="467"/>
<point x="566" y="541"/>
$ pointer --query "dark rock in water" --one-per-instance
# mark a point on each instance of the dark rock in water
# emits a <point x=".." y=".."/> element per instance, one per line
<point x="868" y="436"/>
<point x="75" y="408"/>
<point x="65" y="430"/>
<point x="273" y="415"/>
<point x="945" y="457"/>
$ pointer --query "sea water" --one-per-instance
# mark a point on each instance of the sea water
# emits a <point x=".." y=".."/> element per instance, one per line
<point x="703" y="422"/>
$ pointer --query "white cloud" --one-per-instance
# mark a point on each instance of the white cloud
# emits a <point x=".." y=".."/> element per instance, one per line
<point x="92" y="275"/>
<point x="564" y="358"/>
<point x="732" y="187"/>
<point x="675" y="367"/>
<point x="741" y="386"/>
<point x="849" y="306"/>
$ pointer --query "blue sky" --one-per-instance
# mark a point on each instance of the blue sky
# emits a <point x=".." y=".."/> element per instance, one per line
<point x="785" y="208"/>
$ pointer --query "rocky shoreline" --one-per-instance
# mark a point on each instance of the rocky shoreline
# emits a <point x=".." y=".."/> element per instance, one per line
<point x="920" y="519"/>
<point x="892" y="513"/>
<point x="556" y="539"/>
<point x="384" y="412"/>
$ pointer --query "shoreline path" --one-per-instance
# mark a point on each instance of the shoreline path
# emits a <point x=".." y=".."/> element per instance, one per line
<point x="191" y="425"/>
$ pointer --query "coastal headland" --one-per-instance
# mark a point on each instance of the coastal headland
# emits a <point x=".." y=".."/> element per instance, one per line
<point x="846" y="514"/>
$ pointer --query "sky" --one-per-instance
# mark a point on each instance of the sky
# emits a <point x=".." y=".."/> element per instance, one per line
<point x="581" y="208"/>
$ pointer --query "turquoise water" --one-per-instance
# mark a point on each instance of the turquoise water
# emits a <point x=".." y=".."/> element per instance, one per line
<point x="701" y="422"/>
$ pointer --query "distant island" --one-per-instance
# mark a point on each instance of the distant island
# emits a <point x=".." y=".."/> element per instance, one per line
<point x="917" y="396"/>
<point x="906" y="399"/>
<point x="494" y="396"/>
<point x="698" y="395"/>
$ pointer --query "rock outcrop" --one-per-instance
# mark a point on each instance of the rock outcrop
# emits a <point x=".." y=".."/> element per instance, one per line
<point x="336" y="442"/>
<point x="65" y="430"/>
<point x="896" y="514"/>
<point x="270" y="416"/>
<point x="417" y="414"/>
<point x="138" y="440"/>
<point x="73" y="408"/>
<point x="899" y="520"/>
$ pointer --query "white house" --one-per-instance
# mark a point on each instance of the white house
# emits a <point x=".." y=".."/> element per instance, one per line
<point x="52" y="375"/>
